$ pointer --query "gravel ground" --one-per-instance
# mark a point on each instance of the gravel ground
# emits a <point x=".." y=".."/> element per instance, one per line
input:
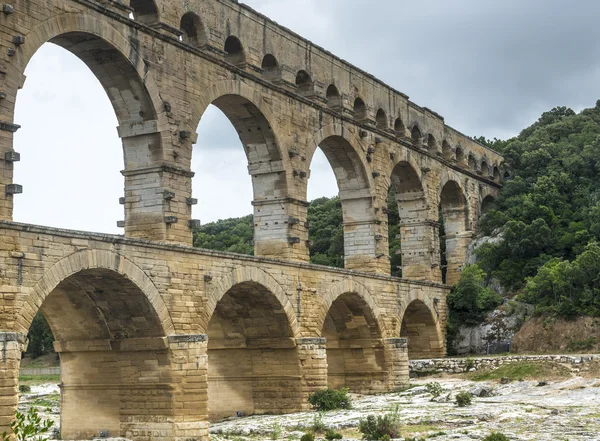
<point x="522" y="410"/>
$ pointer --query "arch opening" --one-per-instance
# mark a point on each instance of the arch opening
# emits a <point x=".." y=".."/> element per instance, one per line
<point x="234" y="51"/>
<point x="145" y="11"/>
<point x="232" y="119"/>
<point x="110" y="341"/>
<point x="354" y="195"/>
<point x="381" y="119"/>
<point x="472" y="162"/>
<point x="334" y="99"/>
<point x="460" y="155"/>
<point x="270" y="67"/>
<point x="399" y="128"/>
<point x="485" y="169"/>
<point x="419" y="327"/>
<point x="408" y="250"/>
<point x="355" y="354"/>
<point x="453" y="218"/>
<point x="360" y="109"/>
<point x="194" y="32"/>
<point x="304" y="83"/>
<point x="432" y="144"/>
<point x="496" y="174"/>
<point x="446" y="150"/>
<point x="416" y="136"/>
<point x="253" y="366"/>
<point x="78" y="61"/>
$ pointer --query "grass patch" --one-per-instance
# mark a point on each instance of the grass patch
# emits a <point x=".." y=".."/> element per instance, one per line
<point x="524" y="370"/>
<point x="39" y="379"/>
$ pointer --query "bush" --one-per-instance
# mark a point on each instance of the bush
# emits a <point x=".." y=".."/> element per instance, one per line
<point x="332" y="434"/>
<point x="435" y="389"/>
<point x="28" y="426"/>
<point x="381" y="428"/>
<point x="318" y="425"/>
<point x="309" y="436"/>
<point x="463" y="399"/>
<point x="496" y="437"/>
<point x="24" y="388"/>
<point x="330" y="399"/>
<point x="276" y="431"/>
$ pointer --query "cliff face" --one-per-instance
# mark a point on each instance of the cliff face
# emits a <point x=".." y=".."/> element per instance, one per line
<point x="548" y="335"/>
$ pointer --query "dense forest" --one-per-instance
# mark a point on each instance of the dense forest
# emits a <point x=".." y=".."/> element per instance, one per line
<point x="547" y="218"/>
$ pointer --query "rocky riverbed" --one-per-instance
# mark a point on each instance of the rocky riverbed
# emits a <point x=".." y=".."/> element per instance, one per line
<point x="522" y="410"/>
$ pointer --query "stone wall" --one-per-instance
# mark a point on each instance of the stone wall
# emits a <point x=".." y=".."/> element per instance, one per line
<point x="458" y="365"/>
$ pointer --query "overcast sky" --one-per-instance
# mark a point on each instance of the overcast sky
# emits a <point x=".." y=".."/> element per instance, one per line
<point x="489" y="67"/>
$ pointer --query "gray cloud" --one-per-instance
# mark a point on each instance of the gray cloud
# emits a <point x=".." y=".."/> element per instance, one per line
<point x="490" y="67"/>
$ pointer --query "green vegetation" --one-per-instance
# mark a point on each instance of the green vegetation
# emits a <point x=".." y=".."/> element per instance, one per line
<point x="435" y="389"/>
<point x="308" y="437"/>
<point x="40" y="337"/>
<point x="232" y="235"/>
<point x="28" y="426"/>
<point x="549" y="214"/>
<point x="463" y="399"/>
<point x="38" y="379"/>
<point x="496" y="437"/>
<point x="331" y="435"/>
<point x="469" y="302"/>
<point x="330" y="399"/>
<point x="276" y="431"/>
<point x="381" y="427"/>
<point x="523" y="370"/>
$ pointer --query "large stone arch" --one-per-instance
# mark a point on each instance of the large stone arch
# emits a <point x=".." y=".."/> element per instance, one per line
<point x="428" y="336"/>
<point x="248" y="274"/>
<point x="93" y="259"/>
<point x="253" y="357"/>
<point x="356" y="191"/>
<point x="353" y="331"/>
<point x="76" y="23"/>
<point x="268" y="164"/>
<point x="347" y="286"/>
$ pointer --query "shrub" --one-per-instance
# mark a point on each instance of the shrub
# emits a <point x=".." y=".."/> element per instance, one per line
<point x="381" y="427"/>
<point x="276" y="431"/>
<point x="470" y="364"/>
<point x="28" y="426"/>
<point x="330" y="399"/>
<point x="332" y="434"/>
<point x="24" y="388"/>
<point x="317" y="424"/>
<point x="435" y="389"/>
<point x="463" y="399"/>
<point x="309" y="436"/>
<point x="496" y="437"/>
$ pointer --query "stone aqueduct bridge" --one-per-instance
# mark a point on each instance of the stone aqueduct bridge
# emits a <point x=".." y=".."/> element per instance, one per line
<point x="155" y="337"/>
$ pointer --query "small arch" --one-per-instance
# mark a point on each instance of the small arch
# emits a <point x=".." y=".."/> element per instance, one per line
<point x="234" y="51"/>
<point x="485" y="169"/>
<point x="431" y="143"/>
<point x="360" y="109"/>
<point x="460" y="154"/>
<point x="304" y="83"/>
<point x="416" y="136"/>
<point x="446" y="150"/>
<point x="381" y="119"/>
<point x="487" y="204"/>
<point x="399" y="127"/>
<point x="454" y="213"/>
<point x="420" y="327"/>
<point x="270" y="67"/>
<point x="145" y="11"/>
<point x="472" y="162"/>
<point x="193" y="30"/>
<point x="496" y="174"/>
<point x="506" y="175"/>
<point x="334" y="99"/>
